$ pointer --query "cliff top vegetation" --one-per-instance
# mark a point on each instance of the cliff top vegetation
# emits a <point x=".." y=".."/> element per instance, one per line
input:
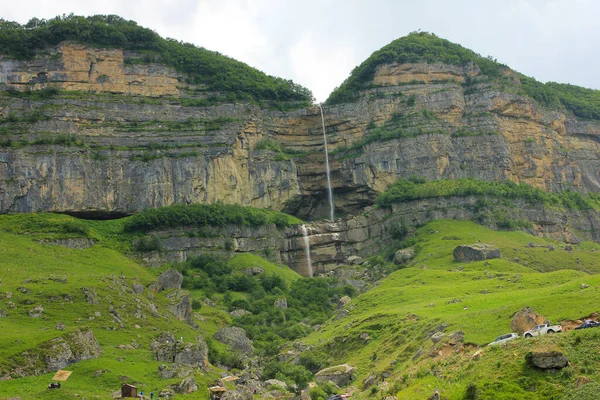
<point x="426" y="47"/>
<point x="218" y="72"/>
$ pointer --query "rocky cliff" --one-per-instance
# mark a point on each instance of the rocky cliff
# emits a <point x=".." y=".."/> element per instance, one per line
<point x="118" y="137"/>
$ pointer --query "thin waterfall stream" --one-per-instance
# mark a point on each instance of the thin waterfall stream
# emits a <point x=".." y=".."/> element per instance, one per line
<point x="307" y="250"/>
<point x="329" y="189"/>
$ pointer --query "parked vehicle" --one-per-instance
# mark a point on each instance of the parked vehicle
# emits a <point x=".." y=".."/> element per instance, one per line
<point x="589" y="324"/>
<point x="337" y="397"/>
<point x="543" y="329"/>
<point x="504" y="338"/>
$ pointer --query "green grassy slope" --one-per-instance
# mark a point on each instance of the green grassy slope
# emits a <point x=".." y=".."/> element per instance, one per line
<point x="477" y="298"/>
<point x="37" y="272"/>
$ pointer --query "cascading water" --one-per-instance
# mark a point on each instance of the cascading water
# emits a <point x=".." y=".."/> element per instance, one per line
<point x="329" y="189"/>
<point x="307" y="250"/>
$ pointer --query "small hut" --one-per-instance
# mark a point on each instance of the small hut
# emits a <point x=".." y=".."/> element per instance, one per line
<point x="216" y="392"/>
<point x="128" y="390"/>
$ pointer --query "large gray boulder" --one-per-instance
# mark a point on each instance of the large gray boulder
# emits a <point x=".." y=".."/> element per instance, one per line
<point x="188" y="385"/>
<point x="476" y="252"/>
<point x="547" y="359"/>
<point x="167" y="349"/>
<point x="403" y="256"/>
<point x="170" y="279"/>
<point x="236" y="338"/>
<point x="181" y="306"/>
<point x="341" y="375"/>
<point x="238" y="394"/>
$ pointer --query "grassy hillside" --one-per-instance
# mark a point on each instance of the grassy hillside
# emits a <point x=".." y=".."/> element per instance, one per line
<point x="435" y="293"/>
<point x="219" y="73"/>
<point x="37" y="271"/>
<point x="427" y="47"/>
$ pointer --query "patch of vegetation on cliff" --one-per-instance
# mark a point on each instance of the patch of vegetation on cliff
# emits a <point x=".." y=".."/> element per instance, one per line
<point x="417" y="189"/>
<point x="219" y="73"/>
<point x="216" y="214"/>
<point x="414" y="48"/>
<point x="583" y="102"/>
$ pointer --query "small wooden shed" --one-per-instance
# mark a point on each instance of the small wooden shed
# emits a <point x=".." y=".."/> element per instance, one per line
<point x="128" y="390"/>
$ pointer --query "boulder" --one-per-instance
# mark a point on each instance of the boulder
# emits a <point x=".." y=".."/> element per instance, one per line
<point x="239" y="313"/>
<point x="369" y="381"/>
<point x="341" y="375"/>
<point x="526" y="319"/>
<point x="343" y="301"/>
<point x="238" y="394"/>
<point x="275" y="382"/>
<point x="281" y="303"/>
<point x="547" y="359"/>
<point x="138" y="288"/>
<point x="181" y="306"/>
<point x="403" y="256"/>
<point x="236" y="338"/>
<point x="476" y="252"/>
<point x="170" y="279"/>
<point x="166" y="349"/>
<point x="36" y="312"/>
<point x="188" y="385"/>
<point x="90" y="296"/>
<point x="355" y="260"/>
<point x="256" y="270"/>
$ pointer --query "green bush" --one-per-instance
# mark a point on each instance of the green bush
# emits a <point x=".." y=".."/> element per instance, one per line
<point x="288" y="373"/>
<point x="406" y="190"/>
<point x="205" y="215"/>
<point x="147" y="244"/>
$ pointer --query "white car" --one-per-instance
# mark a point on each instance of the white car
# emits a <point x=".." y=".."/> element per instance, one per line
<point x="543" y="329"/>
<point x="504" y="338"/>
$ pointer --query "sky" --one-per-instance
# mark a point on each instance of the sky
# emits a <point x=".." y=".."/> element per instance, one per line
<point x="317" y="43"/>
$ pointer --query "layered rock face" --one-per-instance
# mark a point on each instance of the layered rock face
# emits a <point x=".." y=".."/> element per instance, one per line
<point x="107" y="154"/>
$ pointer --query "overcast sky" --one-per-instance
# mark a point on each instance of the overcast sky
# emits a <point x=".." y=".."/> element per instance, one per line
<point x="318" y="42"/>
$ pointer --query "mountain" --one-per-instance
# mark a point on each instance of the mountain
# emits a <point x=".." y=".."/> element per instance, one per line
<point x="158" y="199"/>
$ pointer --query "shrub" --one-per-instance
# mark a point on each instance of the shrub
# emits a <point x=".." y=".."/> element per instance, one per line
<point x="147" y="244"/>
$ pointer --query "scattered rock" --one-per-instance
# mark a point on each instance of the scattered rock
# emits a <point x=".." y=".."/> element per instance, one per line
<point x="236" y="338"/>
<point x="456" y="337"/>
<point x="170" y="279"/>
<point x="526" y="319"/>
<point x="547" y="359"/>
<point x="365" y="336"/>
<point x="256" y="270"/>
<point x="476" y="252"/>
<point x="188" y="385"/>
<point x="369" y="381"/>
<point x="167" y="349"/>
<point x="239" y="313"/>
<point x="90" y="296"/>
<point x="275" y="382"/>
<point x="36" y="312"/>
<point x="281" y="303"/>
<point x="181" y="306"/>
<point x="551" y="248"/>
<point x="436" y="337"/>
<point x="238" y="394"/>
<point x="403" y="256"/>
<point x="584" y="286"/>
<point x="568" y="248"/>
<point x="343" y="301"/>
<point x="454" y="301"/>
<point x="137" y="288"/>
<point x="355" y="260"/>
<point x="341" y="375"/>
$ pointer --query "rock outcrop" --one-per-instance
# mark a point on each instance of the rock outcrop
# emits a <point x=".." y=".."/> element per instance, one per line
<point x="476" y="252"/>
<point x="58" y="353"/>
<point x="341" y="375"/>
<point x="236" y="338"/>
<point x="547" y="359"/>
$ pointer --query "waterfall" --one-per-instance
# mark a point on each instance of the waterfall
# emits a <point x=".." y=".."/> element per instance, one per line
<point x="329" y="189"/>
<point x="307" y="250"/>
